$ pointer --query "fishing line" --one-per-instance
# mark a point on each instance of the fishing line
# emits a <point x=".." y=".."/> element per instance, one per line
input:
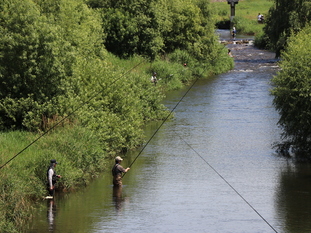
<point x="230" y="185"/>
<point x="70" y="114"/>
<point x="170" y="113"/>
<point x="156" y="131"/>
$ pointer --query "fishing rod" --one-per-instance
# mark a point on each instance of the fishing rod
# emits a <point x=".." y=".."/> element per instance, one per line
<point x="156" y="131"/>
<point x="165" y="119"/>
<point x="70" y="114"/>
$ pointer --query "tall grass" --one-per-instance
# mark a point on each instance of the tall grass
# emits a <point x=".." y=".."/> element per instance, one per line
<point x="23" y="180"/>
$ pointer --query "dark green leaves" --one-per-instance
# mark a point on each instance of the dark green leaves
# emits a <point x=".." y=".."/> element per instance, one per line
<point x="292" y="93"/>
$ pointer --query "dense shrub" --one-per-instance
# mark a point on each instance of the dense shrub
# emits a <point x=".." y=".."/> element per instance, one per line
<point x="286" y="17"/>
<point x="292" y="92"/>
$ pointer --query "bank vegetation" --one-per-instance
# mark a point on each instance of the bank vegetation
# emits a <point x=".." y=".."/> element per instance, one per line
<point x="287" y="32"/>
<point x="75" y="85"/>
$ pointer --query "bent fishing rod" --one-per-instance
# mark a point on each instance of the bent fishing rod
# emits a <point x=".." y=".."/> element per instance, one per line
<point x="156" y="131"/>
<point x="165" y="119"/>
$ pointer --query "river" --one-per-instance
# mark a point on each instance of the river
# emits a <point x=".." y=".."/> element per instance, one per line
<point x="210" y="169"/>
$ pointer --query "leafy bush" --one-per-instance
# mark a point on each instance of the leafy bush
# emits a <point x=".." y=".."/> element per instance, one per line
<point x="262" y="41"/>
<point x="38" y="57"/>
<point x="292" y="92"/>
<point x="286" y="17"/>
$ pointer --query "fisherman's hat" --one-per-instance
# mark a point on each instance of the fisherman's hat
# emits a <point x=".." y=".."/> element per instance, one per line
<point x="53" y="161"/>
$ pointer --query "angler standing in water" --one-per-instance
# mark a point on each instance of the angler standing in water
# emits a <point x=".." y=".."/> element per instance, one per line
<point x="52" y="178"/>
<point x="117" y="171"/>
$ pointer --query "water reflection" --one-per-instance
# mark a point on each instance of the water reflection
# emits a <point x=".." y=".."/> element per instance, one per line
<point x="293" y="197"/>
<point x="117" y="197"/>
<point x="51" y="214"/>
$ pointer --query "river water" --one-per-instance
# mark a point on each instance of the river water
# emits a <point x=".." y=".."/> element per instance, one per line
<point x="210" y="169"/>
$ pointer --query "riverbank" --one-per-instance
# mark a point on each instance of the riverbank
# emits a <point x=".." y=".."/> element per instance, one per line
<point x="229" y="121"/>
<point x="245" y="19"/>
<point x="84" y="148"/>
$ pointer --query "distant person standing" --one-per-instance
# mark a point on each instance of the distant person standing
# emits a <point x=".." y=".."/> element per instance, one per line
<point x="52" y="178"/>
<point x="154" y="79"/>
<point x="262" y="19"/>
<point x="117" y="172"/>
<point x="229" y="53"/>
<point x="233" y="33"/>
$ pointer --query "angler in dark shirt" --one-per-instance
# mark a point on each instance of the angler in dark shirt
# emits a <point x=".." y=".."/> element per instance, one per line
<point x="117" y="172"/>
<point x="52" y="178"/>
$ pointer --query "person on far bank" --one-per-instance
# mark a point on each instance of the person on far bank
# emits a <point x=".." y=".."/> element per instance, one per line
<point x="154" y="79"/>
<point x="52" y="178"/>
<point x="260" y="18"/>
<point x="117" y="172"/>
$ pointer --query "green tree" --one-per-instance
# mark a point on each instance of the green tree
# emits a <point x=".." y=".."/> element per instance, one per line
<point x="292" y="90"/>
<point x="53" y="64"/>
<point x="285" y="18"/>
<point x="155" y="27"/>
<point x="38" y="50"/>
<point x="29" y="73"/>
<point x="26" y="45"/>
<point x="131" y="27"/>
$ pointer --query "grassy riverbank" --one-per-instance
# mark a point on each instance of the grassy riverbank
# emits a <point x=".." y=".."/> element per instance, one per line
<point x="76" y="85"/>
<point x="246" y="12"/>
<point x="78" y="150"/>
<point x="23" y="179"/>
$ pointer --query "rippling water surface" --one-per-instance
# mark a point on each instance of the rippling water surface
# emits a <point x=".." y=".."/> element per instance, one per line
<point x="227" y="123"/>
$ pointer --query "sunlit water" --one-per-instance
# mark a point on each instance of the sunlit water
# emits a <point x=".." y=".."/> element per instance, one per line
<point x="210" y="169"/>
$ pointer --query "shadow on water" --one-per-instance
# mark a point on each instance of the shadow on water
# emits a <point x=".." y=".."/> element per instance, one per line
<point x="118" y="199"/>
<point x="293" y="197"/>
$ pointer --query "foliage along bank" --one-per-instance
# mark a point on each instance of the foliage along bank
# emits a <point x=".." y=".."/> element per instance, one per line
<point x="287" y="32"/>
<point x="292" y="94"/>
<point x="285" y="18"/>
<point x="78" y="73"/>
